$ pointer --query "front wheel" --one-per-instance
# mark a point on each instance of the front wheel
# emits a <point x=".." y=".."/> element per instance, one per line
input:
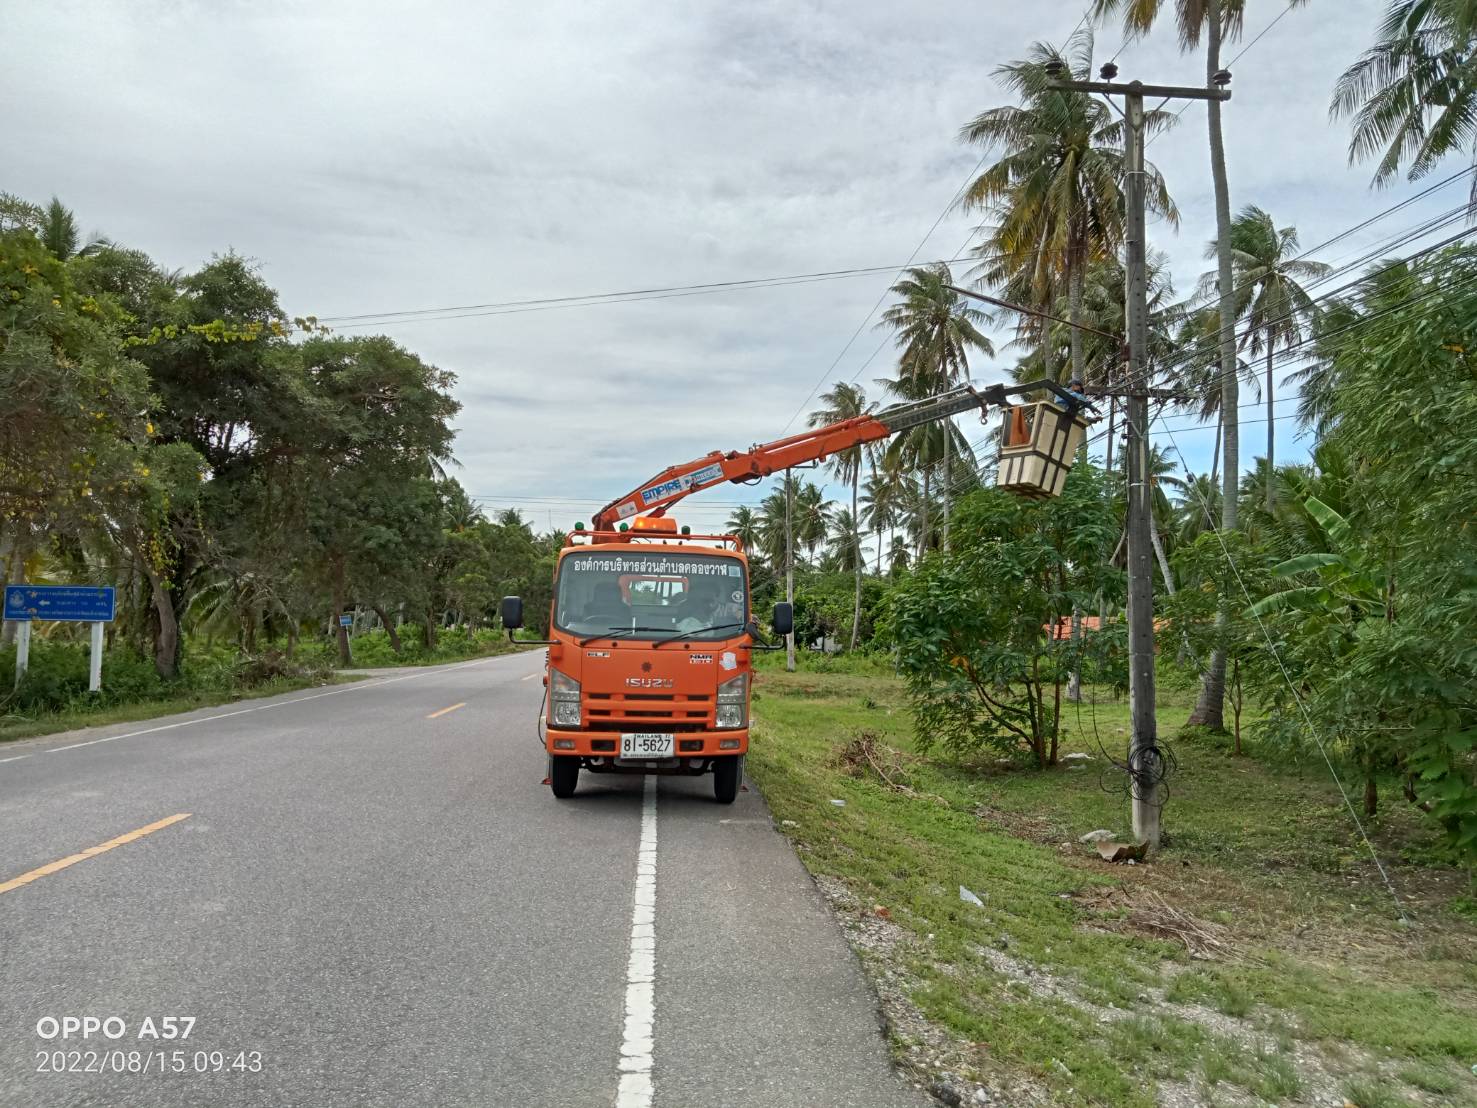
<point x="564" y="775"/>
<point x="727" y="773"/>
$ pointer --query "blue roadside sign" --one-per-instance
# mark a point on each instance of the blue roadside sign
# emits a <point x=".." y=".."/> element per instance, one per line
<point x="68" y="603"/>
<point x="346" y="621"/>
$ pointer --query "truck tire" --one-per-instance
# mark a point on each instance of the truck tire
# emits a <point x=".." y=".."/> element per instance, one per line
<point x="727" y="773"/>
<point x="564" y="775"/>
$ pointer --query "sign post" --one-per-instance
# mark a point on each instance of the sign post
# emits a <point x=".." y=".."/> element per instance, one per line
<point x="95" y="660"/>
<point x="22" y="651"/>
<point x="60" y="604"/>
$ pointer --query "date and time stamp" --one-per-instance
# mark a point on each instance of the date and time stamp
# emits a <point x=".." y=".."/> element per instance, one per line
<point x="158" y="1045"/>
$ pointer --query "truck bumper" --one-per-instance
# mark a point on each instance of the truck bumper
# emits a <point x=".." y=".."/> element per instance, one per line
<point x="688" y="745"/>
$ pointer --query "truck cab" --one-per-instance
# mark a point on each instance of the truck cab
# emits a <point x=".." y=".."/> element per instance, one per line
<point x="651" y="641"/>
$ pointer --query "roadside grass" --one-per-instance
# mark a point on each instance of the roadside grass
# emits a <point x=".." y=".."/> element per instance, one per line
<point x="15" y="725"/>
<point x="1062" y="977"/>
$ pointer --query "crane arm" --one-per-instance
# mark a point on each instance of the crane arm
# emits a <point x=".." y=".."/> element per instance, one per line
<point x="677" y="482"/>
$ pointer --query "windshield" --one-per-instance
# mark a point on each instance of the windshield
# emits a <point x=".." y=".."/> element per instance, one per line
<point x="653" y="595"/>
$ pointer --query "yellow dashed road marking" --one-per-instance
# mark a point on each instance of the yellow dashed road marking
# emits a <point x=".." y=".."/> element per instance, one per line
<point x="443" y="711"/>
<point x="90" y="852"/>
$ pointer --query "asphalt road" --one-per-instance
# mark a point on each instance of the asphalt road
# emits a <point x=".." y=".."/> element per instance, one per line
<point x="370" y="903"/>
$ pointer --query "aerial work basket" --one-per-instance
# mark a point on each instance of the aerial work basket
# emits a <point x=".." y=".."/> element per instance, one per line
<point x="1038" y="444"/>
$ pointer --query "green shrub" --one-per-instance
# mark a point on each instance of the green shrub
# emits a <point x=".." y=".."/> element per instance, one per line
<point x="55" y="674"/>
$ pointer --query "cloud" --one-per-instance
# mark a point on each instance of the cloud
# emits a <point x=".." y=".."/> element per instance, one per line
<point x="397" y="156"/>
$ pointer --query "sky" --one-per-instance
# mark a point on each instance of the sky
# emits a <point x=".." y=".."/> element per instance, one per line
<point x="378" y="157"/>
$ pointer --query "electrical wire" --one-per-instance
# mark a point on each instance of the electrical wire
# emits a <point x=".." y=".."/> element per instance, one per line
<point x="517" y="307"/>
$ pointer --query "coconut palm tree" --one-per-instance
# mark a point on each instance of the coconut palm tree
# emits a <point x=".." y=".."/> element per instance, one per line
<point x="935" y="330"/>
<point x="512" y="519"/>
<point x="58" y="233"/>
<point x="898" y="556"/>
<point x="777" y="537"/>
<point x="1196" y="371"/>
<point x="1413" y="95"/>
<point x="879" y="505"/>
<point x="744" y="525"/>
<point x="847" y="401"/>
<point x="1055" y="194"/>
<point x="917" y="451"/>
<point x="1198" y="507"/>
<point x="812" y="517"/>
<point x="1218" y="21"/>
<point x="771" y="538"/>
<point x="844" y="551"/>
<point x="1268" y="296"/>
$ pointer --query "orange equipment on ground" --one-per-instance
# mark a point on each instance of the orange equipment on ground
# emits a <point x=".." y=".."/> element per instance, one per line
<point x="652" y="632"/>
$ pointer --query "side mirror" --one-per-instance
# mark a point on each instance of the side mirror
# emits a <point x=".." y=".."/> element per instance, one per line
<point x="512" y="612"/>
<point x="783" y="619"/>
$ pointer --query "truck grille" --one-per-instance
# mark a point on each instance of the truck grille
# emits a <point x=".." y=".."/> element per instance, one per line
<point x="666" y="711"/>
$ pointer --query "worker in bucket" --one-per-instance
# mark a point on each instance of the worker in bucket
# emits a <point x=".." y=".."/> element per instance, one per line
<point x="1076" y="400"/>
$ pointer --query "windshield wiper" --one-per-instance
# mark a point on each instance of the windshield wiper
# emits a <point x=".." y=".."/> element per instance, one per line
<point x="696" y="631"/>
<point x="620" y="631"/>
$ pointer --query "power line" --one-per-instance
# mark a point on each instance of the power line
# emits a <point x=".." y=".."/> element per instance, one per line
<point x="1280" y="16"/>
<point x="509" y="307"/>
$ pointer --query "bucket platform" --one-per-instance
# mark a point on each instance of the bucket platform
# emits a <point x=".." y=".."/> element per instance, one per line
<point x="1038" y="444"/>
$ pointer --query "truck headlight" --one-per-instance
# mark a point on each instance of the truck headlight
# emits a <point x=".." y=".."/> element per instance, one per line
<point x="733" y="702"/>
<point x="564" y="700"/>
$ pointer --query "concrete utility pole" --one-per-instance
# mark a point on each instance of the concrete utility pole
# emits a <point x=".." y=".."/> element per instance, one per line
<point x="789" y="566"/>
<point x="1144" y="759"/>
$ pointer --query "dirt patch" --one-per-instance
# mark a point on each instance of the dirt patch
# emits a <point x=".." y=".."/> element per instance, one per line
<point x="1145" y="912"/>
<point x="1022" y="825"/>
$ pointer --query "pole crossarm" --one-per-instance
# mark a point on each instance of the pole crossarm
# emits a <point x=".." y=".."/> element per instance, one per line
<point x="1138" y="88"/>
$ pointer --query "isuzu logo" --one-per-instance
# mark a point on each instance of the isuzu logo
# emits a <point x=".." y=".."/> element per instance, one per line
<point x="650" y="682"/>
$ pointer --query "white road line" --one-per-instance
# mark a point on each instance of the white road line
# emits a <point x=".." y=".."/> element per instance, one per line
<point x="635" y="1089"/>
<point x="259" y="708"/>
<point x="17" y="758"/>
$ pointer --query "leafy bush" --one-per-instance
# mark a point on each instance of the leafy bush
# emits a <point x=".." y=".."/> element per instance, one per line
<point x="825" y="604"/>
<point x="57" y="673"/>
<point x="972" y="626"/>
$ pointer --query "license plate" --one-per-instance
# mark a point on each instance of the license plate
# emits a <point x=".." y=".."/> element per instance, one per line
<point x="644" y="744"/>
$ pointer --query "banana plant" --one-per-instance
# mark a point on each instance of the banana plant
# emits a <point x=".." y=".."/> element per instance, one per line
<point x="1348" y="588"/>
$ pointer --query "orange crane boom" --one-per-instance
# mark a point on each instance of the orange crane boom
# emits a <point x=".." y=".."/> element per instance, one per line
<point x="655" y="496"/>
